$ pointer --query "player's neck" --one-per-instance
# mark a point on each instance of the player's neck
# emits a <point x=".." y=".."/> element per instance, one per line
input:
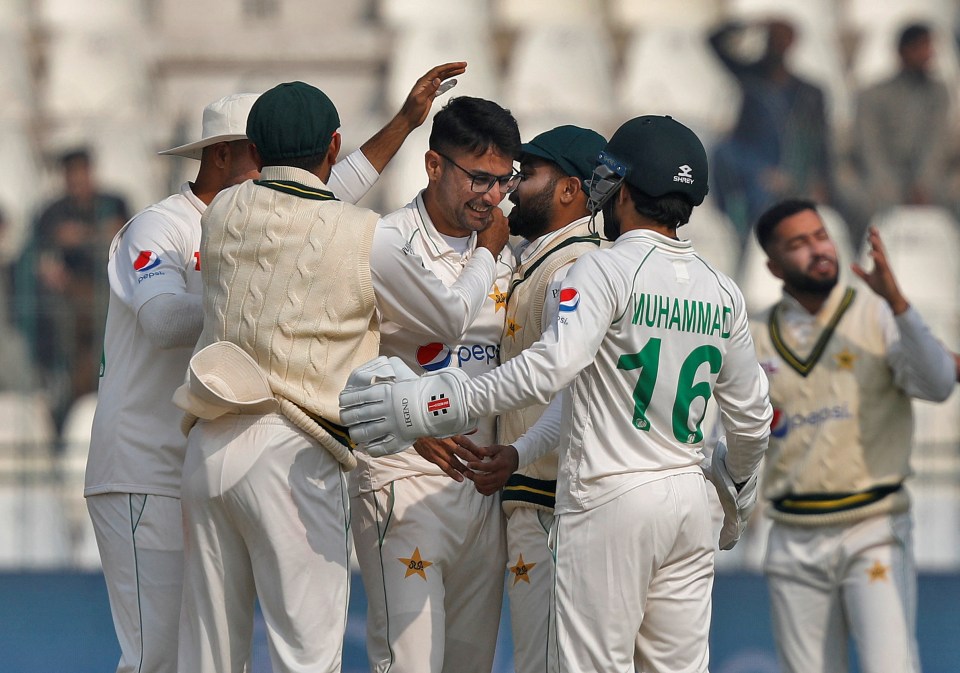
<point x="812" y="302"/>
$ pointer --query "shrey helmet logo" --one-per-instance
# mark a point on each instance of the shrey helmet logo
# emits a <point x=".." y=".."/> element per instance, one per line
<point x="684" y="174"/>
<point x="433" y="356"/>
<point x="569" y="299"/>
<point x="146" y="260"/>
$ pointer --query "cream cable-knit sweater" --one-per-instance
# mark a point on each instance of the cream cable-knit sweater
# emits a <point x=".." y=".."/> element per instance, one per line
<point x="286" y="276"/>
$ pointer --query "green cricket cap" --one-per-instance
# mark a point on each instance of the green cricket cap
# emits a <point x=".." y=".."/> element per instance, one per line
<point x="292" y="120"/>
<point x="572" y="148"/>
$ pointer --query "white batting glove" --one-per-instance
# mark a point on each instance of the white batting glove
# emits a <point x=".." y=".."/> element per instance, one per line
<point x="388" y="407"/>
<point x="737" y="504"/>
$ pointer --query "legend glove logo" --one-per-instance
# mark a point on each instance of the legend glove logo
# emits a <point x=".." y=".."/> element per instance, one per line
<point x="387" y="407"/>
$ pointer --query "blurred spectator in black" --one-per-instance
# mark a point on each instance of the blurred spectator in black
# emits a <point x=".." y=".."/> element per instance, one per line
<point x="778" y="147"/>
<point x="61" y="284"/>
<point x="902" y="139"/>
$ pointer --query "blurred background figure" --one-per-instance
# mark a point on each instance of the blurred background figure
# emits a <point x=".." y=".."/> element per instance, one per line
<point x="778" y="145"/>
<point x="901" y="151"/>
<point x="61" y="282"/>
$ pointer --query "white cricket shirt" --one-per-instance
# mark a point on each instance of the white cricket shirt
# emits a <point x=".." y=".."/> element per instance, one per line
<point x="439" y="308"/>
<point x="646" y="332"/>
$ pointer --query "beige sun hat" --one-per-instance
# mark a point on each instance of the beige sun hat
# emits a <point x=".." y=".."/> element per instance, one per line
<point x="223" y="120"/>
<point x="224" y="379"/>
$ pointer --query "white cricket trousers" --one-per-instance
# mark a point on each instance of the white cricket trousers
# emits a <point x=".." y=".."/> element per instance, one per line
<point x="530" y="588"/>
<point x="431" y="553"/>
<point x="140" y="538"/>
<point x="828" y="583"/>
<point x="634" y="581"/>
<point x="266" y="515"/>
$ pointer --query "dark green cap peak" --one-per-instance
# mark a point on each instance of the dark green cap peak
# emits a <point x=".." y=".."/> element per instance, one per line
<point x="292" y="120"/>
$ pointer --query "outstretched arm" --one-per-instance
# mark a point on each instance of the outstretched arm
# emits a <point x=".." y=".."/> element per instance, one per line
<point x="384" y="144"/>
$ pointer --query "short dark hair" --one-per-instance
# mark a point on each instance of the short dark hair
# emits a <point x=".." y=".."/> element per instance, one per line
<point x="911" y="34"/>
<point x="74" y="154"/>
<point x="308" y="163"/>
<point x="777" y="213"/>
<point x="671" y="209"/>
<point x="475" y="125"/>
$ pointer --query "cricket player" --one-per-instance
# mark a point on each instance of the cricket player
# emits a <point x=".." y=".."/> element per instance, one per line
<point x="264" y="500"/>
<point x="843" y="360"/>
<point x="153" y="322"/>
<point x="647" y="332"/>
<point x="550" y="214"/>
<point x="431" y="550"/>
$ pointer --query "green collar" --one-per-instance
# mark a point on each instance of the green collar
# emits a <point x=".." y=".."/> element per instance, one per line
<point x="297" y="189"/>
<point x="804" y="366"/>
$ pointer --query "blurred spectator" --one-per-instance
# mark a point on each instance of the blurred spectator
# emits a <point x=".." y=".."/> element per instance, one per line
<point x="16" y="372"/>
<point x="778" y="146"/>
<point x="901" y="135"/>
<point x="61" y="284"/>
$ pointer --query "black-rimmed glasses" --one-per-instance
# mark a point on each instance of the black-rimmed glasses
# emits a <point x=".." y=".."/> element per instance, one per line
<point x="481" y="183"/>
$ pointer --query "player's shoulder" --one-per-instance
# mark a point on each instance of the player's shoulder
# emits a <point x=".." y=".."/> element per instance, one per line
<point x="174" y="218"/>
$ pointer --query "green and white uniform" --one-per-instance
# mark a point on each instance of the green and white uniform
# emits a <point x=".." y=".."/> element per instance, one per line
<point x="647" y="332"/>
<point x="430" y="549"/>
<point x="528" y="497"/>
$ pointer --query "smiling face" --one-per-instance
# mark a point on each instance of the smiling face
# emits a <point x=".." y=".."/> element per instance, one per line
<point x="458" y="209"/>
<point x="803" y="255"/>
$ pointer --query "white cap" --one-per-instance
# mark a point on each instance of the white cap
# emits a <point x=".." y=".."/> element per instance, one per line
<point x="224" y="379"/>
<point x="223" y="120"/>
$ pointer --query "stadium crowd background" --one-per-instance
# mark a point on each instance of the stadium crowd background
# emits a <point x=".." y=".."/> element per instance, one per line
<point x="118" y="80"/>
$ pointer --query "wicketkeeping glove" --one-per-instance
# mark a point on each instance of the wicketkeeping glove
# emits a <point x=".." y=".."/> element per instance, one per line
<point x="737" y="504"/>
<point x="387" y="406"/>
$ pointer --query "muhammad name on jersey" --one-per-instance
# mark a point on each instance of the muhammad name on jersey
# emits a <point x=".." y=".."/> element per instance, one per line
<point x="434" y="356"/>
<point x="682" y="315"/>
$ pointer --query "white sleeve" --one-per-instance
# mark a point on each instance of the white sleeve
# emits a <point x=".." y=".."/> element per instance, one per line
<point x="352" y="177"/>
<point x="172" y="320"/>
<point x="921" y="366"/>
<point x="149" y="257"/>
<point x="543" y="436"/>
<point x="414" y="297"/>
<point x="742" y="393"/>
<point x="549" y="365"/>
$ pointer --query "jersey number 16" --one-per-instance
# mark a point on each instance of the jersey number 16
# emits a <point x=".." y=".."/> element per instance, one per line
<point x="648" y="362"/>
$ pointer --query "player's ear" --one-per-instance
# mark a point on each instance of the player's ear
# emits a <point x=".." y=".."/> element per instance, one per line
<point x="433" y="164"/>
<point x="569" y="189"/>
<point x="255" y="156"/>
<point x="334" y="150"/>
<point x="775" y="269"/>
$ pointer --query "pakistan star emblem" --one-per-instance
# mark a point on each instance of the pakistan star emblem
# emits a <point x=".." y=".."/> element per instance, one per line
<point x="878" y="572"/>
<point x="512" y="328"/>
<point x="415" y="564"/>
<point x="521" y="571"/>
<point x="499" y="298"/>
<point x="845" y="360"/>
